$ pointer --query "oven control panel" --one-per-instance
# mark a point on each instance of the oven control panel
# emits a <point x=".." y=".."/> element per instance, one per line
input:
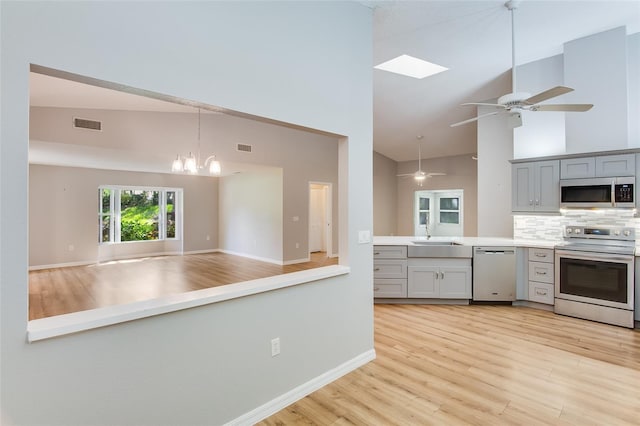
<point x="604" y="233"/>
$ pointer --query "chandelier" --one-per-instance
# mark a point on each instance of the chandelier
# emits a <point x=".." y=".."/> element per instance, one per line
<point x="191" y="163"/>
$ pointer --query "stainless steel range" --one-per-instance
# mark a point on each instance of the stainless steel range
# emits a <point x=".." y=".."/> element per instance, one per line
<point x="594" y="276"/>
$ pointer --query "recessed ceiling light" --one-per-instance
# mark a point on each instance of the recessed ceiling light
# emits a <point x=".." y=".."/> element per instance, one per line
<point x="410" y="66"/>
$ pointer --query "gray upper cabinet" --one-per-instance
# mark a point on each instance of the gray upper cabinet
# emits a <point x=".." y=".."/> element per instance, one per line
<point x="536" y="186"/>
<point x="600" y="166"/>
<point x="576" y="168"/>
<point x="616" y="165"/>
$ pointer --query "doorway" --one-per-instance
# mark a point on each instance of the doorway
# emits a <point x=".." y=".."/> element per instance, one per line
<point x="320" y="214"/>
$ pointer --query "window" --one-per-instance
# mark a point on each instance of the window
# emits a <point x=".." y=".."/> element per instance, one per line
<point x="137" y="214"/>
<point x="438" y="213"/>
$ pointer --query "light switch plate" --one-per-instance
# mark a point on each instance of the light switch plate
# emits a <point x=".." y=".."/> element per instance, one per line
<point x="364" y="237"/>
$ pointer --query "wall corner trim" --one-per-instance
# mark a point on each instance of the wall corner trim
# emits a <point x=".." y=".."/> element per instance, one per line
<point x="299" y="392"/>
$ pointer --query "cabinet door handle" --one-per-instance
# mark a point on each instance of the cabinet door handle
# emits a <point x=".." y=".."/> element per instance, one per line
<point x="376" y="269"/>
<point x="376" y="288"/>
<point x="541" y="273"/>
<point x="530" y="202"/>
<point x="442" y="275"/>
<point x="540" y="292"/>
<point x="541" y="255"/>
<point x="376" y="253"/>
<point x="537" y="202"/>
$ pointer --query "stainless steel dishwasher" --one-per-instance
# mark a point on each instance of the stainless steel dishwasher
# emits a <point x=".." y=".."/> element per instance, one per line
<point x="494" y="273"/>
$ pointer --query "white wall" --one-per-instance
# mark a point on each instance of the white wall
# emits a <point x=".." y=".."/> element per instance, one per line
<point x="385" y="195"/>
<point x="495" y="149"/>
<point x="596" y="67"/>
<point x="250" y="220"/>
<point x="308" y="63"/>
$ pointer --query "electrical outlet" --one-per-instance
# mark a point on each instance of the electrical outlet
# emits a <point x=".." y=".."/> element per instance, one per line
<point x="208" y="237"/>
<point x="275" y="346"/>
<point x="71" y="247"/>
<point x="297" y="245"/>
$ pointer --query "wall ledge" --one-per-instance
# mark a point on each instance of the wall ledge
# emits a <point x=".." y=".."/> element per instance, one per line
<point x="60" y="325"/>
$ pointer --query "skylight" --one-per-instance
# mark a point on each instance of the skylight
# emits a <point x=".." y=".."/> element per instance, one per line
<point x="411" y="67"/>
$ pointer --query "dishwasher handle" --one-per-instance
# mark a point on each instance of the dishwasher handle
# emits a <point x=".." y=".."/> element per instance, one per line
<point x="494" y="251"/>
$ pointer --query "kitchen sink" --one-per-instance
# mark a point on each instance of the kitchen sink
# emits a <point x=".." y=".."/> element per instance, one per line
<point x="436" y="243"/>
<point x="424" y="248"/>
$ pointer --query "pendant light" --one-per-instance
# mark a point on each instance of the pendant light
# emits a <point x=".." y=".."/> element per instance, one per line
<point x="191" y="163"/>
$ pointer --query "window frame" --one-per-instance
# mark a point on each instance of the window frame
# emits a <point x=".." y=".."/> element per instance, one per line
<point x="115" y="213"/>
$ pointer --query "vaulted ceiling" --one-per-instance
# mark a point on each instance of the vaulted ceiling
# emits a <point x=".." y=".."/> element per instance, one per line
<point x="471" y="38"/>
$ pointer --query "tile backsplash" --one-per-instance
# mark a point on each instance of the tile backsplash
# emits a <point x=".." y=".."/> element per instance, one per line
<point x="550" y="228"/>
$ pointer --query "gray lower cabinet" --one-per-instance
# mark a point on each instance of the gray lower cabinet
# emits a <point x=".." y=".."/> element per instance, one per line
<point x="439" y="278"/>
<point x="390" y="271"/>
<point x="541" y="275"/>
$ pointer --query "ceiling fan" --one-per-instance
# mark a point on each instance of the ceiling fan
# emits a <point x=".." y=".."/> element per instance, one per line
<point x="419" y="176"/>
<point x="516" y="102"/>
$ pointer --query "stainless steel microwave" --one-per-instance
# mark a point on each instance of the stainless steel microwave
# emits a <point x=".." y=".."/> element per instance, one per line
<point x="598" y="192"/>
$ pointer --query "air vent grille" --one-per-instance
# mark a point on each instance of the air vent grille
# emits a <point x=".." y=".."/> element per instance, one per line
<point x="83" y="123"/>
<point x="244" y="148"/>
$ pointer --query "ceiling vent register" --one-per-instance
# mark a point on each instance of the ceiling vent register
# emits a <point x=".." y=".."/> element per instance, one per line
<point x="83" y="123"/>
<point x="244" y="148"/>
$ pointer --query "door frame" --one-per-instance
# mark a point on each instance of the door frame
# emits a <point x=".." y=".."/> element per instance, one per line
<point x="328" y="226"/>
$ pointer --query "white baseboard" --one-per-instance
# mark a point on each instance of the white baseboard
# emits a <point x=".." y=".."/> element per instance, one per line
<point x="249" y="256"/>
<point x="62" y="265"/>
<point x="277" y="404"/>
<point x="294" y="261"/>
<point x="203" y="251"/>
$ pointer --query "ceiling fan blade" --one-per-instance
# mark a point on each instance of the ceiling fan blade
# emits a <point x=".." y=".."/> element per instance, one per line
<point x="563" y="107"/>
<point x="436" y="174"/>
<point x="483" y="104"/>
<point x="548" y="94"/>
<point x="460" y="123"/>
<point x="405" y="175"/>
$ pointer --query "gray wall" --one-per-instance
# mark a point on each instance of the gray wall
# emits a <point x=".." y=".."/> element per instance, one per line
<point x="307" y="63"/>
<point x="385" y="195"/>
<point x="63" y="203"/>
<point x="461" y="173"/>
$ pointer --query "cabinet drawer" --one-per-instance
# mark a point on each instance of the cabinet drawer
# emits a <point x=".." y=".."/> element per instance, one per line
<point x="390" y="288"/>
<point x="389" y="252"/>
<point x="541" y="292"/>
<point x="390" y="269"/>
<point x="542" y="272"/>
<point x="541" y="255"/>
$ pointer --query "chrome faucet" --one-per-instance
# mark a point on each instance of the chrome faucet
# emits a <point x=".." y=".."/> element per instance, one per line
<point x="427" y="226"/>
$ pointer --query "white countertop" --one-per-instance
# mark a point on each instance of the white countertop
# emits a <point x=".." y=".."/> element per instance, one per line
<point x="467" y="241"/>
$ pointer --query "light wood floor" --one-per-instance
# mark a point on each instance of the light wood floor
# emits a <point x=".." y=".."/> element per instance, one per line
<point x="483" y="365"/>
<point x="64" y="290"/>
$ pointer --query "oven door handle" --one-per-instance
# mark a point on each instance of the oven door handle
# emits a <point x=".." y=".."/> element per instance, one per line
<point x="593" y="256"/>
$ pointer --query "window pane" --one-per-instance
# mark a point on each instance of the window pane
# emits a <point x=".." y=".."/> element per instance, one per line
<point x="105" y="197"/>
<point x="449" y="204"/>
<point x="105" y="228"/>
<point x="171" y="214"/>
<point x="424" y="203"/>
<point x="449" y="217"/>
<point x="139" y="212"/>
<point x="423" y="218"/>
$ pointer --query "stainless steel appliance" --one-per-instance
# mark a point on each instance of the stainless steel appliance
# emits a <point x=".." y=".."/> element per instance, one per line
<point x="494" y="273"/>
<point x="594" y="274"/>
<point x="598" y="192"/>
